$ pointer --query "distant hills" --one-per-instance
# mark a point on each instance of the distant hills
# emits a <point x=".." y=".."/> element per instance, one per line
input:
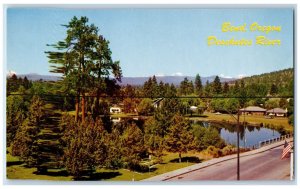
<point x="36" y="77"/>
<point x="280" y="77"/>
<point x="169" y="79"/>
<point x="132" y="80"/>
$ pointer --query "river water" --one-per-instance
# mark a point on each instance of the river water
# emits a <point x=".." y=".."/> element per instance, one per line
<point x="249" y="135"/>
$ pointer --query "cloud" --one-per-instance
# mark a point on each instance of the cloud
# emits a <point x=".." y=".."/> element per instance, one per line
<point x="240" y="76"/>
<point x="159" y="74"/>
<point x="177" y="74"/>
<point x="223" y="76"/>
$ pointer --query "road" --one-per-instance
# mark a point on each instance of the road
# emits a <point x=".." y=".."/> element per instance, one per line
<point x="262" y="166"/>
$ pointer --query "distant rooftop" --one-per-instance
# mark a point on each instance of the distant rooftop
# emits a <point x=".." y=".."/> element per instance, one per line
<point x="277" y="110"/>
<point x="253" y="109"/>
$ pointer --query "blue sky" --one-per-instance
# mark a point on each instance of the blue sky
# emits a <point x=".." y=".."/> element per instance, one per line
<point x="155" y="41"/>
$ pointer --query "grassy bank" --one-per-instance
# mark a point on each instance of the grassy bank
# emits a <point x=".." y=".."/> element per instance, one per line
<point x="16" y="169"/>
<point x="276" y="123"/>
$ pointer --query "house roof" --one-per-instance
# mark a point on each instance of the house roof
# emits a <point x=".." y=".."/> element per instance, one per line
<point x="253" y="109"/>
<point x="277" y="110"/>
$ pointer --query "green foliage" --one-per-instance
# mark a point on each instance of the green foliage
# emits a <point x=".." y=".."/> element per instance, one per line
<point x="85" y="146"/>
<point x="226" y="88"/>
<point x="113" y="142"/>
<point x="179" y="138"/>
<point x="205" y="137"/>
<point x="150" y="88"/>
<point x="198" y="85"/>
<point x="186" y="87"/>
<point x="272" y="103"/>
<point x="145" y="107"/>
<point x="213" y="151"/>
<point x="228" y="150"/>
<point x="15" y="115"/>
<point x="217" y="86"/>
<point x="84" y="60"/>
<point x="13" y="83"/>
<point x="25" y="143"/>
<point x="130" y="102"/>
<point x="153" y="141"/>
<point x="291" y="119"/>
<point x="132" y="147"/>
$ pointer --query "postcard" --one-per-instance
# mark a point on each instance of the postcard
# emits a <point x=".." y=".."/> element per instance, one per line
<point x="150" y="94"/>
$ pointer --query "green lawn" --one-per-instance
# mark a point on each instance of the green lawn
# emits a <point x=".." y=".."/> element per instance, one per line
<point x="17" y="170"/>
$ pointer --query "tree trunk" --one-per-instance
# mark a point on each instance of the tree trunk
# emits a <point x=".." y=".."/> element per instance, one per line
<point x="179" y="157"/>
<point x="77" y="108"/>
<point x="97" y="111"/>
<point x="83" y="108"/>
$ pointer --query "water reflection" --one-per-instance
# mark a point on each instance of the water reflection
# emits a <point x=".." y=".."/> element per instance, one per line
<point x="249" y="135"/>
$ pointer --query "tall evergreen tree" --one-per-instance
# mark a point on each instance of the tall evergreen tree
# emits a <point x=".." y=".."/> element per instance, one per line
<point x="207" y="88"/>
<point x="236" y="88"/>
<point x="217" y="86"/>
<point x="15" y="115"/>
<point x="25" y="144"/>
<point x="132" y="146"/>
<point x="273" y="89"/>
<point x="198" y="85"/>
<point x="83" y="57"/>
<point x="226" y="88"/>
<point x="85" y="146"/>
<point x="179" y="138"/>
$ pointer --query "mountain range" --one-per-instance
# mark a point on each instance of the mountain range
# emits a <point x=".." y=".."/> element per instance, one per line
<point x="135" y="81"/>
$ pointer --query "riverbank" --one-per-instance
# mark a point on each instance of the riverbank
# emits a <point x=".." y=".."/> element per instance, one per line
<point x="277" y="123"/>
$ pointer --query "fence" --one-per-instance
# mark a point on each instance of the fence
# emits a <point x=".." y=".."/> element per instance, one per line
<point x="273" y="140"/>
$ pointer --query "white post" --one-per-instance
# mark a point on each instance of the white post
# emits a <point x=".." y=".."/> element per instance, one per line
<point x="292" y="166"/>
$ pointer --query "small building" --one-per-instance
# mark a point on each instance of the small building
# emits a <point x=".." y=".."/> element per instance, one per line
<point x="253" y="110"/>
<point x="193" y="108"/>
<point x="278" y="112"/>
<point x="115" y="110"/>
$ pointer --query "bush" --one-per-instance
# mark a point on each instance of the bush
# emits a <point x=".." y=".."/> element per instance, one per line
<point x="206" y="137"/>
<point x="214" y="152"/>
<point x="227" y="150"/>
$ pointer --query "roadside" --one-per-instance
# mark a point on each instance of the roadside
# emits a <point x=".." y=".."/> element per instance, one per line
<point x="176" y="173"/>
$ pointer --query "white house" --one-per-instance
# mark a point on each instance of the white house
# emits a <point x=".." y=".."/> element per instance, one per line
<point x="115" y="110"/>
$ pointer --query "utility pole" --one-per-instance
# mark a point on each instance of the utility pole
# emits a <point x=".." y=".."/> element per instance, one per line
<point x="238" y="141"/>
<point x="238" y="146"/>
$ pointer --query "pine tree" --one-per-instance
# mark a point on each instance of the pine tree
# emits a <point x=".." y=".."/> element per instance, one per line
<point x="85" y="147"/>
<point x="236" y="88"/>
<point x="15" y="115"/>
<point x="207" y="88"/>
<point x="179" y="138"/>
<point x="274" y="89"/>
<point x="132" y="146"/>
<point x="84" y="60"/>
<point x="198" y="85"/>
<point x="25" y="144"/>
<point x="217" y="86"/>
<point x="226" y="88"/>
<point x="153" y="141"/>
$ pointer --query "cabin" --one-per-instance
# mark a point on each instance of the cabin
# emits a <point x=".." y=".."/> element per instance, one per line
<point x="253" y="110"/>
<point x="278" y="112"/>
